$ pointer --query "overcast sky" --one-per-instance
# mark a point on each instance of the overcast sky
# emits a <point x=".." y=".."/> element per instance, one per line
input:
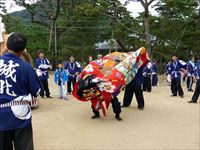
<point x="133" y="7"/>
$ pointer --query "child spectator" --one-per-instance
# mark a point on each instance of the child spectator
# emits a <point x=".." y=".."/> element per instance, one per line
<point x="61" y="78"/>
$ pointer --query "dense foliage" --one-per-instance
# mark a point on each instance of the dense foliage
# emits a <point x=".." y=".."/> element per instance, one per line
<point x="79" y="24"/>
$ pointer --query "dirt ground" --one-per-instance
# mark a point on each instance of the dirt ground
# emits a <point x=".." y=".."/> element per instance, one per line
<point x="165" y="123"/>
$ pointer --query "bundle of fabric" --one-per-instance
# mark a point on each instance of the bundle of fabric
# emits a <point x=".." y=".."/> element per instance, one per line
<point x="103" y="80"/>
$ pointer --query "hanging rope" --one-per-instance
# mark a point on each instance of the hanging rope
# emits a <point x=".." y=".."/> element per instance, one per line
<point x="50" y="38"/>
<point x="181" y="37"/>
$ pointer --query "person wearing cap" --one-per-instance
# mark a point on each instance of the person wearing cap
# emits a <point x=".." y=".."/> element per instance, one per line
<point x="176" y="67"/>
<point x="19" y="86"/>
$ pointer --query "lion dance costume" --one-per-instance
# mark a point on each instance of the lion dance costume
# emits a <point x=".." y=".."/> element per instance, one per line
<point x="101" y="81"/>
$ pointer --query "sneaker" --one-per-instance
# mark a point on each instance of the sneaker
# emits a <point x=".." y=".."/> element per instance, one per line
<point x="173" y="95"/>
<point x="65" y="98"/>
<point x="181" y="96"/>
<point x="95" y="117"/>
<point x="192" y="101"/>
<point x="118" y="118"/>
<point x="49" y="96"/>
<point x="140" y="108"/>
<point x="190" y="90"/>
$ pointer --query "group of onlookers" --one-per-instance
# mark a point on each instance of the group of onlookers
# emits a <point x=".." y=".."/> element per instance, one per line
<point x="178" y="70"/>
<point x="65" y="75"/>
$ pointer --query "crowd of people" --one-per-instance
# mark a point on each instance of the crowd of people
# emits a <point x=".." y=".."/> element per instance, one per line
<point x="178" y="71"/>
<point x="66" y="75"/>
<point x="20" y="84"/>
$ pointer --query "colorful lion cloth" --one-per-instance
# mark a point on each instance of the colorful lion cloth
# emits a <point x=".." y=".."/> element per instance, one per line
<point x="100" y="81"/>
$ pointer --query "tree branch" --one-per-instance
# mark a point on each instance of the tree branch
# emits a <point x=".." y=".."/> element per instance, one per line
<point x="151" y="1"/>
<point x="143" y="3"/>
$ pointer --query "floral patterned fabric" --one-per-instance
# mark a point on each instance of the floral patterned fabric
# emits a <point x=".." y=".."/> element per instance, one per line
<point x="102" y="80"/>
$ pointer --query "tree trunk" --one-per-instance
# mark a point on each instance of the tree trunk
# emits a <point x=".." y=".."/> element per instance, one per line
<point x="147" y="30"/>
<point x="146" y="4"/>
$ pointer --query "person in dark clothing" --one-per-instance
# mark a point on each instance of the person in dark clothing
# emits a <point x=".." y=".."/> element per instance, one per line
<point x="196" y="94"/>
<point x="42" y="64"/>
<point x="190" y="74"/>
<point x="135" y="87"/>
<point x="116" y="109"/>
<point x="175" y="69"/>
<point x="147" y="73"/>
<point x="73" y="69"/>
<point x="154" y="73"/>
<point x="19" y="86"/>
<point x="167" y="70"/>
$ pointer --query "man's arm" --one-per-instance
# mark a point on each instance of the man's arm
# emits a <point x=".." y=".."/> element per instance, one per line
<point x="170" y="69"/>
<point x="66" y="66"/>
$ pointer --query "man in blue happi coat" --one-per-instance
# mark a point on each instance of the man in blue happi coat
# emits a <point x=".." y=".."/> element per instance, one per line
<point x="19" y="85"/>
<point x="154" y="73"/>
<point x="147" y="73"/>
<point x="190" y="74"/>
<point x="196" y="94"/>
<point x="73" y="68"/>
<point x="42" y="64"/>
<point x="175" y="69"/>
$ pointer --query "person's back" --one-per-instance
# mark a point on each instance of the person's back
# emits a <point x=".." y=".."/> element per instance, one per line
<point x="16" y="83"/>
<point x="19" y="84"/>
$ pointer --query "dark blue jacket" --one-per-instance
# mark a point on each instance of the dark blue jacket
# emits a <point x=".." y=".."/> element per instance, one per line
<point x="139" y="79"/>
<point x="18" y="83"/>
<point x="42" y="66"/>
<point x="154" y="68"/>
<point x="147" y="71"/>
<point x="197" y="70"/>
<point x="190" y="68"/>
<point x="175" y="69"/>
<point x="72" y="68"/>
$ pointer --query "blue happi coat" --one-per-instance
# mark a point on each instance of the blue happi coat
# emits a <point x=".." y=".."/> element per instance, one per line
<point x="147" y="71"/>
<point x="72" y="68"/>
<point x="197" y="70"/>
<point x="190" y="68"/>
<point x="139" y="79"/>
<point x="155" y="74"/>
<point x="18" y="85"/>
<point x="175" y="69"/>
<point x="42" y="66"/>
<point x="154" y="68"/>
